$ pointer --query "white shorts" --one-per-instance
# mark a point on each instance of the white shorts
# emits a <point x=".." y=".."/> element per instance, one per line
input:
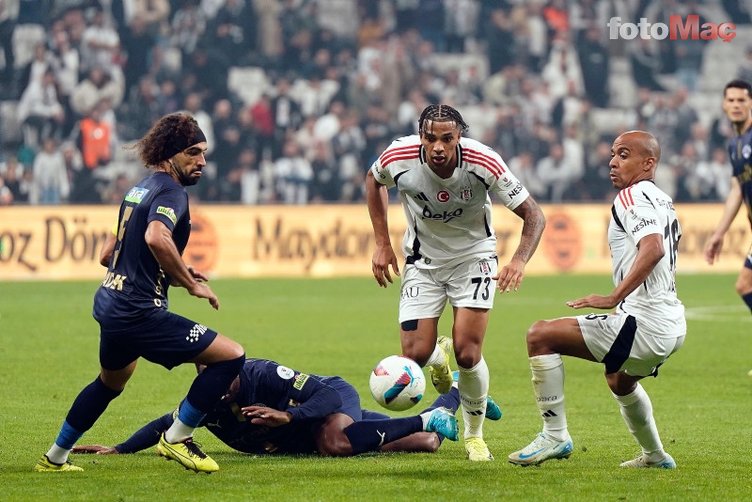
<point x="621" y="343"/>
<point x="424" y="293"/>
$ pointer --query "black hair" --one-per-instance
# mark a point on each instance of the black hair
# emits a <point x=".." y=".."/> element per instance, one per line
<point x="739" y="84"/>
<point x="441" y="113"/>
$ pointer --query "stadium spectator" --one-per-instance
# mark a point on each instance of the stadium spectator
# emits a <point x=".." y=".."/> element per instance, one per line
<point x="137" y="43"/>
<point x="293" y="173"/>
<point x="133" y="316"/>
<point x="100" y="84"/>
<point x="326" y="184"/>
<point x="39" y="110"/>
<point x="646" y="328"/>
<point x="100" y="42"/>
<point x="8" y="18"/>
<point x="326" y="418"/>
<point x="558" y="172"/>
<point x="445" y="180"/>
<point x="594" y="64"/>
<point x="188" y="27"/>
<point x="13" y="174"/>
<point x="737" y="106"/>
<point x="51" y="184"/>
<point x="713" y="174"/>
<point x="286" y="113"/>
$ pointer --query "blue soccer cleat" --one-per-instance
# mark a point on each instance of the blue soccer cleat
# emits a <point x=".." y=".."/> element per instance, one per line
<point x="442" y="421"/>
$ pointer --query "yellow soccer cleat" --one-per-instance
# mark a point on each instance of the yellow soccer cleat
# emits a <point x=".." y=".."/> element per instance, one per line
<point x="44" y="465"/>
<point x="188" y="454"/>
<point x="441" y="377"/>
<point x="477" y="451"/>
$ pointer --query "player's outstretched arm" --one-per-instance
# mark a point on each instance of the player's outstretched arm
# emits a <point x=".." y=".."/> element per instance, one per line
<point x="159" y="239"/>
<point x="649" y="253"/>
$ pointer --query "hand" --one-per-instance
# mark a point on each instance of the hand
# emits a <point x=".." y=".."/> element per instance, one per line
<point x="713" y="248"/>
<point x="197" y="275"/>
<point x="594" y="301"/>
<point x="202" y="290"/>
<point x="262" y="415"/>
<point x="95" y="448"/>
<point x="383" y="258"/>
<point x="510" y="276"/>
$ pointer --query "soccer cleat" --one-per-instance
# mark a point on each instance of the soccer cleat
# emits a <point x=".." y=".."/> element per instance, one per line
<point x="441" y="377"/>
<point x="643" y="462"/>
<point x="493" y="411"/>
<point x="44" y="465"/>
<point x="540" y="450"/>
<point x="442" y="421"/>
<point x="188" y="454"/>
<point x="477" y="450"/>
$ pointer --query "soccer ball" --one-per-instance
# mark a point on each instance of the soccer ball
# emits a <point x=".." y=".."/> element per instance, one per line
<point x="397" y="383"/>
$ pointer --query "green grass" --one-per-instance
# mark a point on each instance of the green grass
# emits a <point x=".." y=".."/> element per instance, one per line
<point x="702" y="400"/>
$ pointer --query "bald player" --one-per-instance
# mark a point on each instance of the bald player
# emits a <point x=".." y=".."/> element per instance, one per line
<point x="646" y="323"/>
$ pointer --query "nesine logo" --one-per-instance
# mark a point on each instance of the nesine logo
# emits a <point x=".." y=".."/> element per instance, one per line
<point x="676" y="29"/>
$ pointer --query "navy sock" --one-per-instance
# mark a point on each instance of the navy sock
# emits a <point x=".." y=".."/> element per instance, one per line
<point x="368" y="435"/>
<point x="748" y="300"/>
<point x="450" y="400"/>
<point x="84" y="412"/>
<point x="209" y="386"/>
<point x="373" y="415"/>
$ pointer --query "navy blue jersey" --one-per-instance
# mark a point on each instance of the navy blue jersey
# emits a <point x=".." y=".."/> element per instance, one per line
<point x="740" y="153"/>
<point x="134" y="279"/>
<point x="308" y="398"/>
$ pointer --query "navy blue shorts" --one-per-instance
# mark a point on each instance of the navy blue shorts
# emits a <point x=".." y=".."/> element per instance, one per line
<point x="350" y="398"/>
<point x="159" y="336"/>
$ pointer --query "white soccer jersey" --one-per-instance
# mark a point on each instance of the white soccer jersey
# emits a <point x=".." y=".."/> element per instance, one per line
<point x="639" y="210"/>
<point x="448" y="220"/>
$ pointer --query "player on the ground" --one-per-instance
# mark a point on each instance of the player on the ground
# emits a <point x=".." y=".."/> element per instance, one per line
<point x="272" y="409"/>
<point x="646" y="327"/>
<point x="444" y="181"/>
<point x="144" y="259"/>
<point x="737" y="105"/>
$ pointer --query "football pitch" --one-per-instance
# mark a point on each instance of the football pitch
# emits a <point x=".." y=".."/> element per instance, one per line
<point x="702" y="399"/>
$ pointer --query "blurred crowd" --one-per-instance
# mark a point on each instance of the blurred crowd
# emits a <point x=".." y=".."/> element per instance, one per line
<point x="298" y="97"/>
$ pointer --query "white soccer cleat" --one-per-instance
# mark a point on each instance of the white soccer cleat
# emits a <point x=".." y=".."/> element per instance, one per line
<point x="541" y="449"/>
<point x="642" y="462"/>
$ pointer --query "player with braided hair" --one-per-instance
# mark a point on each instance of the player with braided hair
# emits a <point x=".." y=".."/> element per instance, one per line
<point x="445" y="180"/>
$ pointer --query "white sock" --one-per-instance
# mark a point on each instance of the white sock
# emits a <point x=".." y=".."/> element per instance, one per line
<point x="473" y="386"/>
<point x="178" y="431"/>
<point x="57" y="455"/>
<point x="548" y="386"/>
<point x="438" y="358"/>
<point x="637" y="411"/>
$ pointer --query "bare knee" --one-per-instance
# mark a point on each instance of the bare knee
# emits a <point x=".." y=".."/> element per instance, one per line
<point x="467" y="355"/>
<point x="538" y="339"/>
<point x="621" y="384"/>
